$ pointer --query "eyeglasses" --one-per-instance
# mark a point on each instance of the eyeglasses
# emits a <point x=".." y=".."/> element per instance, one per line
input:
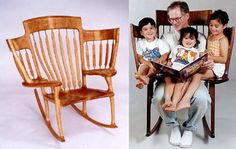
<point x="171" y="20"/>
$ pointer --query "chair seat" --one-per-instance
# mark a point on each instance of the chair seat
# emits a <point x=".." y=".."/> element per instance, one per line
<point x="79" y="95"/>
<point x="102" y="72"/>
<point x="224" y="78"/>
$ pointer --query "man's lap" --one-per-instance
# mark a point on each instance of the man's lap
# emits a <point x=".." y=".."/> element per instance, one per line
<point x="201" y="93"/>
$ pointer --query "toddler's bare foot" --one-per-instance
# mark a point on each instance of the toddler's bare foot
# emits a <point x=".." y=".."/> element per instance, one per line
<point x="167" y="103"/>
<point x="139" y="84"/>
<point x="182" y="105"/>
<point x="142" y="78"/>
<point x="171" y="108"/>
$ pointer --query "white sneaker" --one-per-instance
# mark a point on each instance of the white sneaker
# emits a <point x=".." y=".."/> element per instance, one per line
<point x="175" y="135"/>
<point x="186" y="140"/>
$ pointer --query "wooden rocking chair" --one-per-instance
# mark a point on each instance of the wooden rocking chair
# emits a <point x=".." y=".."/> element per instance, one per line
<point x="55" y="55"/>
<point x="198" y="19"/>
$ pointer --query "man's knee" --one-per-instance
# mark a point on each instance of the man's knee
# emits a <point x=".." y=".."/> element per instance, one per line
<point x="201" y="98"/>
<point x="202" y="93"/>
<point x="201" y="102"/>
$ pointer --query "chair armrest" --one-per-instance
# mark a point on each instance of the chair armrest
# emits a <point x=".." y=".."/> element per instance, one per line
<point x="40" y="82"/>
<point x="223" y="79"/>
<point x="101" y="72"/>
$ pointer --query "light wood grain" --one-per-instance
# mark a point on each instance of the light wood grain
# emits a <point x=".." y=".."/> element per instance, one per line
<point x="54" y="56"/>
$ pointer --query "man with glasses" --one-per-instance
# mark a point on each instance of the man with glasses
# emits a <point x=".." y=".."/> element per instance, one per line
<point x="178" y="13"/>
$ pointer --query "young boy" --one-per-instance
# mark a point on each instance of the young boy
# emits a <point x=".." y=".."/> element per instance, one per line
<point x="149" y="48"/>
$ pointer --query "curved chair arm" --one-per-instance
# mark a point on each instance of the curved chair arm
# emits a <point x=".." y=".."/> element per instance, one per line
<point x="101" y="72"/>
<point x="40" y="82"/>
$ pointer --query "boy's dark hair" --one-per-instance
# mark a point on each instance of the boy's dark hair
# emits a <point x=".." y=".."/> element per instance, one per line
<point x="144" y="22"/>
<point x="221" y="16"/>
<point x="193" y="33"/>
<point x="181" y="4"/>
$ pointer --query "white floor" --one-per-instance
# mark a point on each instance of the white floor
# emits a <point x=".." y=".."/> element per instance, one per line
<point x="22" y="127"/>
<point x="225" y="122"/>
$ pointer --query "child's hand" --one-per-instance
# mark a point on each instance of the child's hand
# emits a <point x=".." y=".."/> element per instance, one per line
<point x="167" y="103"/>
<point x="169" y="63"/>
<point x="207" y="65"/>
<point x="164" y="62"/>
<point x="152" y="69"/>
<point x="210" y="53"/>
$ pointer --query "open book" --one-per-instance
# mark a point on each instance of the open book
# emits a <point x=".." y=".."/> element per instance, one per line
<point x="185" y="72"/>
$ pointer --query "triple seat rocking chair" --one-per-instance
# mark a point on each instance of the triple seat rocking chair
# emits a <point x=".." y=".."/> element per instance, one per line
<point x="55" y="55"/>
<point x="198" y="19"/>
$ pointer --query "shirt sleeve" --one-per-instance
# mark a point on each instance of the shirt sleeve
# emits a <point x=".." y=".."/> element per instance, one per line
<point x="170" y="39"/>
<point x="163" y="47"/>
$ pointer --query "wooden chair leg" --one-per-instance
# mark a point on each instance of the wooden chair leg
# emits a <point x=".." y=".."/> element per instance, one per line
<point x="156" y="127"/>
<point x="45" y="115"/>
<point x="58" y="110"/>
<point x="112" y="104"/>
<point x="211" y="132"/>
<point x="212" y="93"/>
<point x="84" y="107"/>
<point x="149" y="95"/>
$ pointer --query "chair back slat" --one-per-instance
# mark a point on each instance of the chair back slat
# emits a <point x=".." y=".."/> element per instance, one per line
<point x="107" y="54"/>
<point x="64" y="61"/>
<point x="112" y="52"/>
<point x="87" y="55"/>
<point x="94" y="55"/>
<point x="29" y="64"/>
<point x="69" y="55"/>
<point x="23" y="63"/>
<point x="100" y="54"/>
<point x="43" y="55"/>
<point x="76" y="51"/>
<point x="57" y="58"/>
<point x="51" y="60"/>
